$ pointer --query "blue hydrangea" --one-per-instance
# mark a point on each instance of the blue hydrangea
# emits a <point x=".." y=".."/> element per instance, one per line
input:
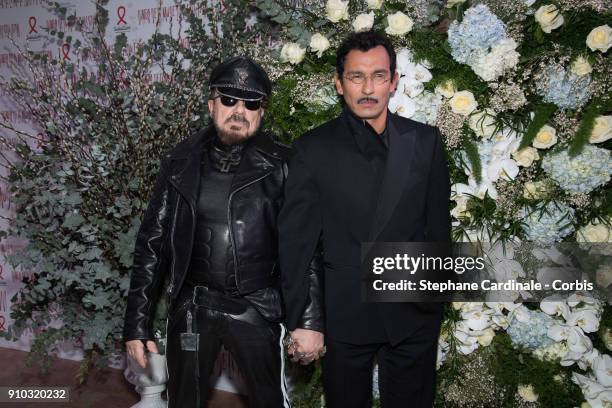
<point x="531" y="334"/>
<point x="479" y="30"/>
<point x="565" y="89"/>
<point x="548" y="223"/>
<point x="581" y="174"/>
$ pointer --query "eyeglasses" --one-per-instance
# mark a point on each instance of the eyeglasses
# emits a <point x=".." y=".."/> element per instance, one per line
<point x="229" y="102"/>
<point x="359" y="78"/>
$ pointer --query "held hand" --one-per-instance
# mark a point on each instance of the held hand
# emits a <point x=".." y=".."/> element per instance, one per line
<point x="135" y="350"/>
<point x="308" y="345"/>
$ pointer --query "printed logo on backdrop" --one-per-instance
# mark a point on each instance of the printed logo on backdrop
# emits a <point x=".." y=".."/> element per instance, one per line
<point x="3" y="308"/>
<point x="64" y="52"/>
<point x="20" y="275"/>
<point x="5" y="204"/>
<point x="10" y="59"/>
<point x="3" y="299"/>
<point x="165" y="14"/>
<point x="72" y="23"/>
<point x="33" y="34"/>
<point x="21" y="116"/>
<point x="9" y="31"/>
<point x="121" y="24"/>
<point x="5" y="4"/>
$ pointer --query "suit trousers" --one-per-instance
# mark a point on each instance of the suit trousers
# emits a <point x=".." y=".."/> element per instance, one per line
<point x="255" y="347"/>
<point x="406" y="372"/>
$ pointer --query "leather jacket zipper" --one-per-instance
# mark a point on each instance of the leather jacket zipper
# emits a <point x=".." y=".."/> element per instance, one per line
<point x="172" y="269"/>
<point x="171" y="284"/>
<point x="229" y="224"/>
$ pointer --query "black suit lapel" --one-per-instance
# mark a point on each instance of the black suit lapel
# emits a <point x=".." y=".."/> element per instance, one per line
<point x="397" y="173"/>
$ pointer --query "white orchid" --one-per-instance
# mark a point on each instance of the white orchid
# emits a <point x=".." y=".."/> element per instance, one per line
<point x="506" y="169"/>
<point x="506" y="142"/>
<point x="403" y="60"/>
<point x="555" y="308"/>
<point x="521" y="314"/>
<point x="576" y="298"/>
<point x="586" y="319"/>
<point x="477" y="319"/>
<point x="576" y="340"/>
<point x="602" y="369"/>
<point x="401" y="104"/>
<point x="596" y="394"/>
<point x="467" y="343"/>
<point x="410" y="86"/>
<point x="552" y="253"/>
<point x="507" y="269"/>
<point x="419" y="73"/>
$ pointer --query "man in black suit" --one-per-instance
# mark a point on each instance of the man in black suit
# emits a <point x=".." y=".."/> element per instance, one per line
<point x="365" y="176"/>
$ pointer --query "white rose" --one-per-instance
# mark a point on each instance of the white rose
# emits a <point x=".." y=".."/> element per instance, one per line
<point x="533" y="190"/>
<point x="483" y="123"/>
<point x="463" y="102"/>
<point x="527" y="393"/>
<point x="486" y="338"/>
<point x="337" y="10"/>
<point x="461" y="209"/>
<point x="546" y="137"/>
<point x="549" y="17"/>
<point x="363" y="22"/>
<point x="374" y="4"/>
<point x="600" y="38"/>
<point x="447" y="89"/>
<point x="581" y="66"/>
<point x="292" y="53"/>
<point x="453" y="3"/>
<point x="594" y="232"/>
<point x="319" y="43"/>
<point x="525" y="157"/>
<point x="602" y="130"/>
<point x="398" y="24"/>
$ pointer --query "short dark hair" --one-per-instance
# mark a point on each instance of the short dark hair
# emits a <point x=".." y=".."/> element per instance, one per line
<point x="363" y="41"/>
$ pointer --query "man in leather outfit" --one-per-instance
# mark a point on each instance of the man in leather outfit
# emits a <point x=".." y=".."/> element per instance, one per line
<point x="210" y="232"/>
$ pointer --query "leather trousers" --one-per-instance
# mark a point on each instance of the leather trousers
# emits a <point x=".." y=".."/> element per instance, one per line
<point x="195" y="335"/>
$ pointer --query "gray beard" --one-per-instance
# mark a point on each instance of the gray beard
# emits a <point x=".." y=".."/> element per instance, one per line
<point x="231" y="138"/>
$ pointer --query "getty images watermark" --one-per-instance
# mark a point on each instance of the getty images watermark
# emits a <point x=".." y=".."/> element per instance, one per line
<point x="525" y="272"/>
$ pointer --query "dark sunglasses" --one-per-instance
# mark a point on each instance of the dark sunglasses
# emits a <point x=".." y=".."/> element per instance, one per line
<point x="229" y="102"/>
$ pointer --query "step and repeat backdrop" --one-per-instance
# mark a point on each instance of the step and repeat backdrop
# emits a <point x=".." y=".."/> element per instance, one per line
<point x="24" y="25"/>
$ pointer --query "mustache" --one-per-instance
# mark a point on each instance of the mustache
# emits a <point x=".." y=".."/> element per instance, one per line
<point x="367" y="98"/>
<point x="237" y="118"/>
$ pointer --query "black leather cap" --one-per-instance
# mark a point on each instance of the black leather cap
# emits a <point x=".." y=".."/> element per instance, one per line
<point x="242" y="78"/>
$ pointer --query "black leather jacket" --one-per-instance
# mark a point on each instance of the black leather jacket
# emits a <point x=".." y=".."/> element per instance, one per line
<point x="165" y="239"/>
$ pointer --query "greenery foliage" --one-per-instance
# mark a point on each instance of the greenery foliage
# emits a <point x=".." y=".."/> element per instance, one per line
<point x="81" y="189"/>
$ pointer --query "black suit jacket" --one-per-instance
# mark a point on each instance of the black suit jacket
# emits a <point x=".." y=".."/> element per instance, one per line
<point x="333" y="197"/>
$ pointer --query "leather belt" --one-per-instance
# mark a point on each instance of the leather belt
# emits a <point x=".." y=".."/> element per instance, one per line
<point x="212" y="299"/>
<point x="237" y="309"/>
